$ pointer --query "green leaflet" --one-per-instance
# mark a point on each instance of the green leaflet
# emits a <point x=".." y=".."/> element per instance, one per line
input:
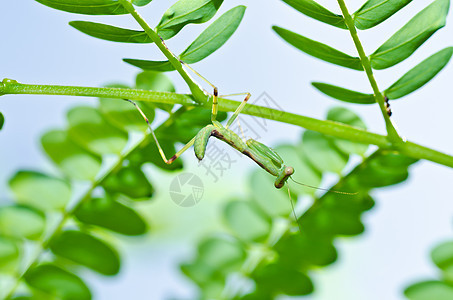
<point x="318" y="12"/>
<point x="86" y="250"/>
<point x="141" y="2"/>
<point x="90" y="130"/>
<point x="111" y="33"/>
<point x="185" y="12"/>
<point x="284" y="280"/>
<point x="246" y="220"/>
<point x="420" y="74"/>
<point x="2" y="120"/>
<point x="437" y="290"/>
<point x="40" y="191"/>
<point x="204" y="45"/>
<point x="21" y="222"/>
<point x="319" y="50"/>
<point x="374" y="12"/>
<point x="344" y="94"/>
<point x="158" y="66"/>
<point x="110" y="214"/>
<point x="214" y="36"/>
<point x="442" y="255"/>
<point x="131" y="182"/>
<point x="405" y="41"/>
<point x="10" y="251"/>
<point x="57" y="283"/>
<point x="73" y="160"/>
<point x="87" y="7"/>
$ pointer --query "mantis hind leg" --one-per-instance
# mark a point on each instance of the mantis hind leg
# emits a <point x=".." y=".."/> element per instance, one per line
<point x="161" y="151"/>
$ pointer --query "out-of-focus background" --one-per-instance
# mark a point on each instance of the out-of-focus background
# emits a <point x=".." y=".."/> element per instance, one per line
<point x="38" y="46"/>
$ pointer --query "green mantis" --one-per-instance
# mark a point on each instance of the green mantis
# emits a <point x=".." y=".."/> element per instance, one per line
<point x="264" y="156"/>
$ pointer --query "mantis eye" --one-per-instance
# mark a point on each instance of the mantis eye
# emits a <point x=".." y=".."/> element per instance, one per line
<point x="289" y="171"/>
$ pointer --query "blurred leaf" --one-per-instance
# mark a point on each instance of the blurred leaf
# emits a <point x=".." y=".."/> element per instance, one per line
<point x="40" y="191"/>
<point x="271" y="200"/>
<point x="21" y="222"/>
<point x="344" y="94"/>
<point x="214" y="36"/>
<point x="411" y="36"/>
<point x="107" y="213"/>
<point x="123" y="114"/>
<point x="129" y="181"/>
<point x="57" y="283"/>
<point x="111" y="33"/>
<point x="346" y="116"/>
<point x="435" y="290"/>
<point x="318" y="49"/>
<point x="276" y="279"/>
<point x="141" y="2"/>
<point x="220" y="253"/>
<point x="246" y="220"/>
<point x="87" y="7"/>
<point x="303" y="170"/>
<point x="186" y="12"/>
<point x="155" y="81"/>
<point x="158" y="66"/>
<point x="89" y="129"/>
<point x="86" y="250"/>
<point x="420" y="74"/>
<point x="2" y="120"/>
<point x="442" y="255"/>
<point x="318" y="12"/>
<point x="322" y="153"/>
<point x="74" y="161"/>
<point x="374" y="12"/>
<point x="9" y="255"/>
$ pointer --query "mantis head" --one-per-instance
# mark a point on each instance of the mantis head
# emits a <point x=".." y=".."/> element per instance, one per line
<point x="283" y="176"/>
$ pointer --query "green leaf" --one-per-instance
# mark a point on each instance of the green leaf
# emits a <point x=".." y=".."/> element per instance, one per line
<point x="107" y="213"/>
<point x="21" y="222"/>
<point x="89" y="129"/>
<point x="442" y="255"/>
<point x="86" y="250"/>
<point x="129" y="181"/>
<point x="214" y="36"/>
<point x="141" y="2"/>
<point x="158" y="66"/>
<point x="374" y="12"/>
<point x="186" y="12"/>
<point x="124" y="115"/>
<point x="111" y="33"/>
<point x="319" y="50"/>
<point x="40" y="191"/>
<point x="2" y="120"/>
<point x="9" y="255"/>
<point x="57" y="283"/>
<point x="155" y="81"/>
<point x="435" y="290"/>
<point x="346" y="116"/>
<point x="321" y="152"/>
<point x="420" y="74"/>
<point x="246" y="220"/>
<point x="87" y="7"/>
<point x="318" y="12"/>
<point x="150" y="153"/>
<point x="344" y="94"/>
<point x="279" y="279"/>
<point x="220" y="253"/>
<point x="405" y="41"/>
<point x="74" y="161"/>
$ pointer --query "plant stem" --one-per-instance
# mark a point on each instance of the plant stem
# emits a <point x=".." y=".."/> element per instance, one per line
<point x="391" y="130"/>
<point x="196" y="90"/>
<point x="331" y="128"/>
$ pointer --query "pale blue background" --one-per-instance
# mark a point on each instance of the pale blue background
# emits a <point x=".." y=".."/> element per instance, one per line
<point x="37" y="46"/>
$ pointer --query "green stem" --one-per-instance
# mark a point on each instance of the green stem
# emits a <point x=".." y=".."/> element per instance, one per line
<point x="196" y="90"/>
<point x="331" y="128"/>
<point x="391" y="130"/>
<point x="83" y="199"/>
